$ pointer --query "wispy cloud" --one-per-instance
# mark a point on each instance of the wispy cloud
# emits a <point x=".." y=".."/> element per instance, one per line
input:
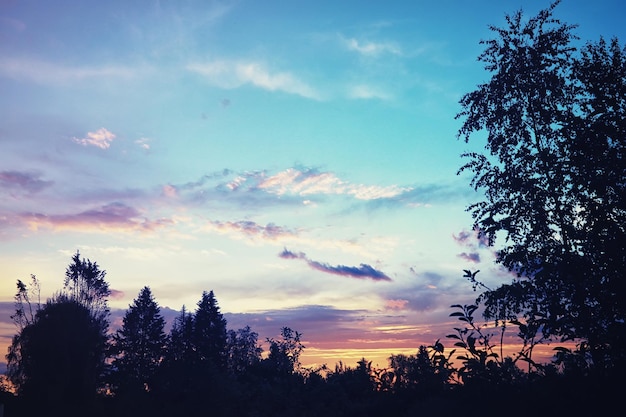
<point x="363" y="271"/>
<point x="144" y="143"/>
<point x="309" y="182"/>
<point x="234" y="74"/>
<point x="45" y="72"/>
<point x="116" y="216"/>
<point x="29" y="182"/>
<point x="371" y="48"/>
<point x="367" y="92"/>
<point x="251" y="229"/>
<point x="101" y="138"/>
<point x="293" y="186"/>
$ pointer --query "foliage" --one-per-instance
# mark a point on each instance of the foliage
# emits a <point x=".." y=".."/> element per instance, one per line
<point x="85" y="283"/>
<point x="427" y="372"/>
<point x="60" y="356"/>
<point x="64" y="347"/>
<point x="553" y="178"/>
<point x="27" y="302"/>
<point x="482" y="364"/>
<point x="284" y="353"/>
<point x="243" y="350"/>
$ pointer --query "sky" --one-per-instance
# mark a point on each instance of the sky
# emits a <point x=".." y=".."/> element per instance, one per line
<point x="297" y="158"/>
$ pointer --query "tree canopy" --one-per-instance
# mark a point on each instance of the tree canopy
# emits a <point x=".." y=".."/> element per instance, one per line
<point x="553" y="175"/>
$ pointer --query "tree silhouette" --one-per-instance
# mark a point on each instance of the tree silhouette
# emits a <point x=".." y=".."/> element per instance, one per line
<point x="209" y="332"/>
<point x="139" y="344"/>
<point x="284" y="353"/>
<point x="243" y="350"/>
<point x="58" y="360"/>
<point x="553" y="178"/>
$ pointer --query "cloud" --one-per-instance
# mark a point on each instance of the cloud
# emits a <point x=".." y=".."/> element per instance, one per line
<point x="29" y="182"/>
<point x="398" y="304"/>
<point x="473" y="257"/>
<point x="234" y="74"/>
<point x="111" y="216"/>
<point x="101" y="138"/>
<point x="143" y="143"/>
<point x="471" y="238"/>
<point x="48" y="73"/>
<point x="252" y="229"/>
<point x="116" y="294"/>
<point x="367" y="92"/>
<point x="363" y="271"/>
<point x="293" y="186"/>
<point x="310" y="182"/>
<point x="371" y="48"/>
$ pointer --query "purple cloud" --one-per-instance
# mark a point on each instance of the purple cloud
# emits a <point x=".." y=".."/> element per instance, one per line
<point x="26" y="181"/>
<point x="111" y="216"/>
<point x="363" y="271"/>
<point x="252" y="229"/>
<point x="470" y="257"/>
<point x="471" y="238"/>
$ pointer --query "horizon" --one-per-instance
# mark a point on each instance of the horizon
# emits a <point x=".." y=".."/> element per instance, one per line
<point x="300" y="161"/>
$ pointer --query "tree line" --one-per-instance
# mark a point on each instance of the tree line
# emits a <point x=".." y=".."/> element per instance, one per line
<point x="66" y="361"/>
<point x="553" y="174"/>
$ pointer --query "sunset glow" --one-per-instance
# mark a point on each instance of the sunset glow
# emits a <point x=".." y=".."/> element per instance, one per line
<point x="298" y="159"/>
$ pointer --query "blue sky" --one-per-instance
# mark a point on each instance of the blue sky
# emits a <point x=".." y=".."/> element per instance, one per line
<point x="298" y="158"/>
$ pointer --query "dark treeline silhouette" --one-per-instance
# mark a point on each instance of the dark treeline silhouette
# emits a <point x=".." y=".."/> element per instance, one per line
<point x="63" y="362"/>
<point x="554" y="177"/>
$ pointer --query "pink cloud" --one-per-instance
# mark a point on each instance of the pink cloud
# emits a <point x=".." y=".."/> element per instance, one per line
<point x="396" y="304"/>
<point x="101" y="138"/>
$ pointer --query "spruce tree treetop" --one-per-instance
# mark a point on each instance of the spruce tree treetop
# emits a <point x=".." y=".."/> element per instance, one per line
<point x="210" y="331"/>
<point x="140" y="343"/>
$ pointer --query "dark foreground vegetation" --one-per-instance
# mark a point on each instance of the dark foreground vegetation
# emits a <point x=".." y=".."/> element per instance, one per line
<point x="554" y="179"/>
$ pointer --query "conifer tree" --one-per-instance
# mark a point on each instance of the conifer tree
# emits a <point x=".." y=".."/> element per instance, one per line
<point x="140" y="343"/>
<point x="209" y="332"/>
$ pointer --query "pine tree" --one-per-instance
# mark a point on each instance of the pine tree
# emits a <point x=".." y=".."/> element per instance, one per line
<point x="140" y="343"/>
<point x="209" y="335"/>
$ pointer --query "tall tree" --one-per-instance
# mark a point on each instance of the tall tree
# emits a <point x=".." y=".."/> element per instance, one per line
<point x="139" y="344"/>
<point x="553" y="177"/>
<point x="58" y="360"/>
<point x="58" y="356"/>
<point x="209" y="334"/>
